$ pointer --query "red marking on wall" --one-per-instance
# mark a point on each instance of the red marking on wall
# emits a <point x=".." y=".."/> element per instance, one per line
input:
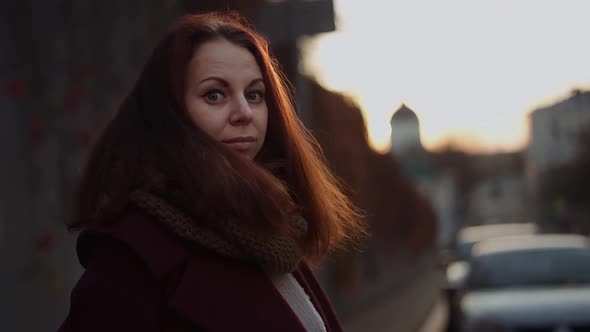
<point x="15" y="88"/>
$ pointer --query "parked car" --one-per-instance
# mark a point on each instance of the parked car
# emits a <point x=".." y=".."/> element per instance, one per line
<point x="468" y="237"/>
<point x="527" y="283"/>
<point x="458" y="268"/>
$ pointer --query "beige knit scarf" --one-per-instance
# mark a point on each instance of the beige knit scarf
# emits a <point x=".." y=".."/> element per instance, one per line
<point x="277" y="254"/>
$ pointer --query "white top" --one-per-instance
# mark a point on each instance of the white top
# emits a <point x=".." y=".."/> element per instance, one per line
<point x="299" y="301"/>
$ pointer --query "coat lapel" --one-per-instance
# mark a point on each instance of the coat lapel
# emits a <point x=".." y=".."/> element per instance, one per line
<point x="239" y="297"/>
<point x="318" y="298"/>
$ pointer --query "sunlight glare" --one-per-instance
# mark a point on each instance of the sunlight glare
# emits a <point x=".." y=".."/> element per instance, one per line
<point x="471" y="71"/>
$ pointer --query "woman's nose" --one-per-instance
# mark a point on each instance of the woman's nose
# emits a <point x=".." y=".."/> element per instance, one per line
<point x="241" y="113"/>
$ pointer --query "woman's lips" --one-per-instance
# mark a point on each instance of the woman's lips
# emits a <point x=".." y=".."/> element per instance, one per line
<point x="240" y="143"/>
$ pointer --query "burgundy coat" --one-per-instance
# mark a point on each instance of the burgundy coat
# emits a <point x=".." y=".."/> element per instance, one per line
<point x="140" y="277"/>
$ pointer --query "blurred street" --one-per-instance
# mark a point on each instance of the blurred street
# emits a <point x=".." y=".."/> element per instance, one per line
<point x="419" y="306"/>
<point x="464" y="142"/>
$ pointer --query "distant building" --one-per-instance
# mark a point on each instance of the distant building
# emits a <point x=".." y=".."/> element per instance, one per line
<point x="495" y="192"/>
<point x="405" y="132"/>
<point x="555" y="131"/>
<point x="555" y="141"/>
<point x="499" y="194"/>
<point x="498" y="199"/>
<point x="438" y="185"/>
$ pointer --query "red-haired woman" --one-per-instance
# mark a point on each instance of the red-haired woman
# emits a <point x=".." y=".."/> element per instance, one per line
<point x="205" y="199"/>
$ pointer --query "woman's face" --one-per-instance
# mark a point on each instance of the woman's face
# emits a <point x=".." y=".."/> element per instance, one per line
<point x="225" y="96"/>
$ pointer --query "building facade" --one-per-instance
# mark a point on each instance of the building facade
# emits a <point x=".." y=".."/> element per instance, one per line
<point x="555" y="131"/>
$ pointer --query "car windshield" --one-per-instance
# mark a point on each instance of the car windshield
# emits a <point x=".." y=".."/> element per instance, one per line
<point x="532" y="267"/>
<point x="468" y="237"/>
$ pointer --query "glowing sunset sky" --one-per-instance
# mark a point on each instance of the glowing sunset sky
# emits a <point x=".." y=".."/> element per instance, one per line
<point x="472" y="70"/>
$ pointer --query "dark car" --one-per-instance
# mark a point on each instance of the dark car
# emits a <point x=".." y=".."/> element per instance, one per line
<point x="530" y="283"/>
<point x="467" y="238"/>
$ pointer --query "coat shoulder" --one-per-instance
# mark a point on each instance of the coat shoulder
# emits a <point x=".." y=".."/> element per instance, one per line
<point x="160" y="250"/>
<point x="115" y="293"/>
<point x="131" y="268"/>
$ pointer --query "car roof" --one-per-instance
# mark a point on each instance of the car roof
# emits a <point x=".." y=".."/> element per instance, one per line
<point x="474" y="234"/>
<point x="531" y="242"/>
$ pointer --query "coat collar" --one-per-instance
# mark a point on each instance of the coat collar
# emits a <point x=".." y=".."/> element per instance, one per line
<point x="238" y="297"/>
<point x="212" y="292"/>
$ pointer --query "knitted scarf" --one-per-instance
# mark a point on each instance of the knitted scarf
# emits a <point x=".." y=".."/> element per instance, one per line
<point x="276" y="254"/>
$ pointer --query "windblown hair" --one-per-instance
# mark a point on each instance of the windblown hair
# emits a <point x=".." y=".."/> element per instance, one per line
<point x="151" y="142"/>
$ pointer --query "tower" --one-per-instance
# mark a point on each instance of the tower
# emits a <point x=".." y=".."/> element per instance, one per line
<point x="405" y="131"/>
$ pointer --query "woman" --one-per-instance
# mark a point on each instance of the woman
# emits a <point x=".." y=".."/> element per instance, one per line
<point x="205" y="199"/>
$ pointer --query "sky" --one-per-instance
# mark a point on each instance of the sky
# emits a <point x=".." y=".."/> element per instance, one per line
<point x="472" y="70"/>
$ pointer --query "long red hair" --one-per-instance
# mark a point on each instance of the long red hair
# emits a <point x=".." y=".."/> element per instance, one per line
<point x="152" y="134"/>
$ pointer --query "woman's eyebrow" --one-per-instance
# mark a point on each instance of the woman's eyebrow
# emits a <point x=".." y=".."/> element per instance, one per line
<point x="215" y="78"/>
<point x="226" y="83"/>
<point x="256" y="80"/>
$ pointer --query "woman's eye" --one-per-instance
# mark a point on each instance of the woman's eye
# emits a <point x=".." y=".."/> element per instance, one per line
<point x="255" y="96"/>
<point x="213" y="96"/>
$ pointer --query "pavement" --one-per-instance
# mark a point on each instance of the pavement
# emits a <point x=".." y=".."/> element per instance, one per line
<point x="417" y="307"/>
